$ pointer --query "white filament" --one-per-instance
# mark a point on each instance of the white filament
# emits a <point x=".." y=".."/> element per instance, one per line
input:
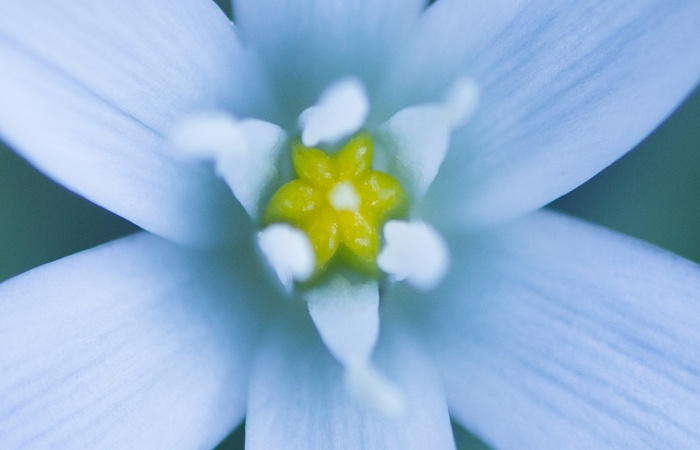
<point x="420" y="135"/>
<point x="346" y="316"/>
<point x="244" y="152"/>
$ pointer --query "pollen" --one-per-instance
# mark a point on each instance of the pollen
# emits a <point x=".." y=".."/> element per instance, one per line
<point x="339" y="202"/>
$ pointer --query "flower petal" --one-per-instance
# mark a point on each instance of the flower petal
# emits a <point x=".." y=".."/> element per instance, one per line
<point x="134" y="344"/>
<point x="298" y="400"/>
<point x="552" y="331"/>
<point x="567" y="88"/>
<point x="89" y="90"/>
<point x="309" y="44"/>
<point x="449" y="35"/>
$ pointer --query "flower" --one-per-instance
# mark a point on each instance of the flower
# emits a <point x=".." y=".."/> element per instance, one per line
<point x="545" y="331"/>
<point x="338" y="199"/>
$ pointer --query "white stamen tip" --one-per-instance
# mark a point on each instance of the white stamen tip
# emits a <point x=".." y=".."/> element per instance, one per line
<point x="208" y="135"/>
<point x="461" y="101"/>
<point x="289" y="252"/>
<point x="244" y="152"/>
<point x="340" y="111"/>
<point x="375" y="390"/>
<point x="414" y="252"/>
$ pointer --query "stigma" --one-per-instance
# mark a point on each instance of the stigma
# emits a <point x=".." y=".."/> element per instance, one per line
<point x="339" y="203"/>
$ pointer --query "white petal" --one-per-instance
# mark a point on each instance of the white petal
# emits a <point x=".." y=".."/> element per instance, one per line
<point x="244" y="152"/>
<point x="415" y="252"/>
<point x="307" y="45"/>
<point x="90" y="89"/>
<point x="567" y="87"/>
<point x="298" y="398"/>
<point x="340" y="111"/>
<point x="289" y="252"/>
<point x="134" y="344"/>
<point x="417" y="138"/>
<point x="551" y="331"/>
<point x="449" y="35"/>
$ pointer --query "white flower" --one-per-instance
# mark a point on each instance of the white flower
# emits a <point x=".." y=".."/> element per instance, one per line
<point x="546" y="332"/>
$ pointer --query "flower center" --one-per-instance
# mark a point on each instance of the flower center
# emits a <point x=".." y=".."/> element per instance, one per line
<point x="344" y="197"/>
<point x="339" y="203"/>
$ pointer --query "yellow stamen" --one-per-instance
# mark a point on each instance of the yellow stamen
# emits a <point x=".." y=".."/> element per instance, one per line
<point x="339" y="202"/>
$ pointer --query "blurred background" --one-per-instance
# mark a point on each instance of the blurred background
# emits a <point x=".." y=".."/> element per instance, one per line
<point x="653" y="193"/>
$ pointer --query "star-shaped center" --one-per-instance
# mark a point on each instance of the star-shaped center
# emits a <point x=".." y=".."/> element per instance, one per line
<point x="339" y="202"/>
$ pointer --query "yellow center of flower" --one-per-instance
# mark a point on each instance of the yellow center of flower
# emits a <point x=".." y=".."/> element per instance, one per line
<point x="339" y="202"/>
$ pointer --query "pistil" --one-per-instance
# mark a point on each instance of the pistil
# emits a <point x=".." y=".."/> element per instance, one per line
<point x="339" y="202"/>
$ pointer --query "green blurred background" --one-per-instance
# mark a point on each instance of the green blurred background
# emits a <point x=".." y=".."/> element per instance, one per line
<point x="652" y="193"/>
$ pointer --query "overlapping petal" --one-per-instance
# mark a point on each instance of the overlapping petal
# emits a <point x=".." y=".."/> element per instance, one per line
<point x="567" y="87"/>
<point x="561" y="333"/>
<point x="134" y="344"/>
<point x="309" y="44"/>
<point x="90" y="89"/>
<point x="298" y="400"/>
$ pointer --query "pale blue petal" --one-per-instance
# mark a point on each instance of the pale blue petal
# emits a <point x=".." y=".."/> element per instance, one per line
<point x="567" y="88"/>
<point x="552" y="333"/>
<point x="134" y="344"/>
<point x="449" y="35"/>
<point x="89" y="89"/>
<point x="298" y="398"/>
<point x="308" y="44"/>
